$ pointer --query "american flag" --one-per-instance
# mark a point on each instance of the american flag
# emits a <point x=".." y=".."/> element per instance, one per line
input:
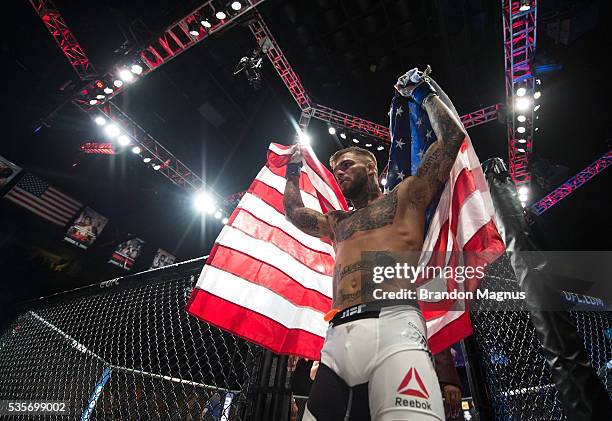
<point x="45" y="201"/>
<point x="266" y="280"/>
<point x="460" y="221"/>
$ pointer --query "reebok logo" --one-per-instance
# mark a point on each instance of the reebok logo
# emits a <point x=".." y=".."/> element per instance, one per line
<point x="412" y="385"/>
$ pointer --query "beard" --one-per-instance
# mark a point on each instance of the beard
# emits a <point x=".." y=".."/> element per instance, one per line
<point x="355" y="187"/>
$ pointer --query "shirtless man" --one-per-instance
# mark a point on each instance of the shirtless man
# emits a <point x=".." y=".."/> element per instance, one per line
<point x="375" y="363"/>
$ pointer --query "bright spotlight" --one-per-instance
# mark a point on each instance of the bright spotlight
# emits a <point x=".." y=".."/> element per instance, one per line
<point x="525" y="5"/>
<point x="218" y="215"/>
<point x="123" y="140"/>
<point x="203" y="203"/>
<point x="521" y="118"/>
<point x="537" y="95"/>
<point x="126" y="75"/>
<point x="523" y="197"/>
<point x="100" y="96"/>
<point x="156" y="167"/>
<point x="236" y="5"/>
<point x="332" y="130"/>
<point x="220" y="15"/>
<point x="205" y="23"/>
<point x="521" y="150"/>
<point x="136" y="69"/>
<point x="355" y="140"/>
<point x="146" y="160"/>
<point x="523" y="204"/>
<point x="194" y="29"/>
<point x="136" y="150"/>
<point x="536" y="108"/>
<point x="111" y="130"/>
<point x="343" y="135"/>
<point x="368" y="145"/>
<point x="521" y="91"/>
<point x="383" y="181"/>
<point x="523" y="190"/>
<point x="224" y="221"/>
<point x="93" y="101"/>
<point x="108" y="90"/>
<point x="100" y="121"/>
<point x="118" y="83"/>
<point x="520" y="129"/>
<point x="380" y="148"/>
<point x="522" y="141"/>
<point x="522" y="103"/>
<point x="304" y="138"/>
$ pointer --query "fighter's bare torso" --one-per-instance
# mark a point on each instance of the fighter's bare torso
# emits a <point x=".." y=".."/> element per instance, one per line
<point x="368" y="237"/>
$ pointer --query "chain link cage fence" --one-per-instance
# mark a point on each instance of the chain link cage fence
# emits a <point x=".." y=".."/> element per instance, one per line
<point x="127" y="350"/>
<point x="517" y="380"/>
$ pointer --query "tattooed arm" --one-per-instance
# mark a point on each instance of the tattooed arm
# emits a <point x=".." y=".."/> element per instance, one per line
<point x="307" y="220"/>
<point x="437" y="162"/>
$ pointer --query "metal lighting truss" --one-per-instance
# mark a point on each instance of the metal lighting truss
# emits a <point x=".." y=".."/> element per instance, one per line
<point x="572" y="184"/>
<point x="519" y="28"/>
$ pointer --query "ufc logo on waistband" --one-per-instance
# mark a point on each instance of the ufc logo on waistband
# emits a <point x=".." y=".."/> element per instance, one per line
<point x="353" y="310"/>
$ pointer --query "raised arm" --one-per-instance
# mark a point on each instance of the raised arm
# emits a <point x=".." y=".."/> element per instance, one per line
<point x="308" y="220"/>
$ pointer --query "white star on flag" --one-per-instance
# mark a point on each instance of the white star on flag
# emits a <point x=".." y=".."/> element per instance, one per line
<point x="419" y="122"/>
<point x="400" y="175"/>
<point x="429" y="133"/>
<point x="399" y="143"/>
<point x="421" y="152"/>
<point x="399" y="111"/>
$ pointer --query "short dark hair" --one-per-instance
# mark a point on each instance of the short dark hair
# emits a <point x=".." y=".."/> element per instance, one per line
<point x="356" y="150"/>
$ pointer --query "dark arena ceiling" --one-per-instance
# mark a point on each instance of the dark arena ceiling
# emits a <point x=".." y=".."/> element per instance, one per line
<point x="348" y="54"/>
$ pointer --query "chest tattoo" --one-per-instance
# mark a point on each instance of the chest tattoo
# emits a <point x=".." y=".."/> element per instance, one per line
<point x="376" y="215"/>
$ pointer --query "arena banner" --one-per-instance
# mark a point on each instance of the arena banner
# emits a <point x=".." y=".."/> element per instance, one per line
<point x="162" y="258"/>
<point x="86" y="228"/>
<point x="126" y="253"/>
<point x="8" y="171"/>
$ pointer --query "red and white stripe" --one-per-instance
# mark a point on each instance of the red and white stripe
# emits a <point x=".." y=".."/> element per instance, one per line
<point x="266" y="280"/>
<point x="464" y="222"/>
<point x="52" y="205"/>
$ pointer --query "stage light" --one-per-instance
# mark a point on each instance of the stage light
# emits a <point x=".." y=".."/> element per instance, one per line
<point x="521" y="150"/>
<point x="136" y="69"/>
<point x="332" y="130"/>
<point x="521" y="118"/>
<point x="118" y="83"/>
<point x="112" y="130"/>
<point x="537" y="95"/>
<point x="100" y="97"/>
<point x="236" y="5"/>
<point x="304" y="138"/>
<point x="523" y="190"/>
<point x="220" y="15"/>
<point x="100" y="121"/>
<point x="123" y="140"/>
<point x="218" y="215"/>
<point x="355" y="141"/>
<point x="383" y="181"/>
<point x="521" y="91"/>
<point x="108" y="90"/>
<point x="224" y="221"/>
<point x="522" y="141"/>
<point x="523" y="204"/>
<point x="525" y="5"/>
<point x="93" y="101"/>
<point x="368" y="145"/>
<point x="146" y="160"/>
<point x="99" y="84"/>
<point x="380" y="148"/>
<point x="126" y="75"/>
<point x="520" y="129"/>
<point x="136" y="150"/>
<point x="202" y="202"/>
<point x="523" y="197"/>
<point x="536" y="108"/>
<point x="538" y="82"/>
<point x="536" y="129"/>
<point x="522" y="104"/>
<point x="205" y="23"/>
<point x="156" y="167"/>
<point x="343" y="135"/>
<point x="194" y="29"/>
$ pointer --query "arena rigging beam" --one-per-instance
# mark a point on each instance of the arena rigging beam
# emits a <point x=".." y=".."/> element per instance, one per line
<point x="95" y="148"/>
<point x="519" y="26"/>
<point x="572" y="184"/>
<point x="175" y="40"/>
<point x="64" y="38"/>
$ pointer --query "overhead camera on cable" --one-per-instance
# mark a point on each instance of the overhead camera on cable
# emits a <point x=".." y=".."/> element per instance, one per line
<point x="251" y="65"/>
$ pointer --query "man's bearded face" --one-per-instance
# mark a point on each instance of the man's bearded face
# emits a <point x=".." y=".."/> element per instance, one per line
<point x="351" y="173"/>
